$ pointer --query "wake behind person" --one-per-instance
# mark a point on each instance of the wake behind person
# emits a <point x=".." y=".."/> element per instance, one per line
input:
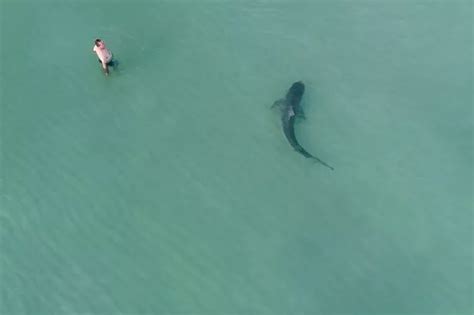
<point x="104" y="55"/>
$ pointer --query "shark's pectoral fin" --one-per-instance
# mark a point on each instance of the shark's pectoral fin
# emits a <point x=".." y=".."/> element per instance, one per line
<point x="277" y="103"/>
<point x="300" y="113"/>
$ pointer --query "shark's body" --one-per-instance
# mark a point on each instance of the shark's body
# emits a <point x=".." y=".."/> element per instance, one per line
<point x="290" y="107"/>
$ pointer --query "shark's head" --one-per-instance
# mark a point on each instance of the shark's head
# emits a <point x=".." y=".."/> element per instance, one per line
<point x="297" y="89"/>
<point x="295" y="93"/>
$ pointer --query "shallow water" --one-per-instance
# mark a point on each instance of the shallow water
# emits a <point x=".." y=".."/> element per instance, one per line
<point x="169" y="187"/>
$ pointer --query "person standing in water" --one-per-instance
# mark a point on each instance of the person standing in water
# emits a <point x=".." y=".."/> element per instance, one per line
<point x="104" y="55"/>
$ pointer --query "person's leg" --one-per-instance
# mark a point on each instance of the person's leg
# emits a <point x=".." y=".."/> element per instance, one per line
<point x="106" y="69"/>
<point x="104" y="66"/>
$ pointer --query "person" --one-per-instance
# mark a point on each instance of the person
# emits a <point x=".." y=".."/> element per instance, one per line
<point x="104" y="55"/>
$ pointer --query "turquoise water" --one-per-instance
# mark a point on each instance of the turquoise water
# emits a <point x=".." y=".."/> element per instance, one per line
<point x="169" y="188"/>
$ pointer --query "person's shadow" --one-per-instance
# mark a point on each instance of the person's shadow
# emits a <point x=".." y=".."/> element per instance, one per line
<point x="112" y="64"/>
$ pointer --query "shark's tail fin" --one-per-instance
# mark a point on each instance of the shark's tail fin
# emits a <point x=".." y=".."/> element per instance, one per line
<point x="323" y="163"/>
<point x="305" y="153"/>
